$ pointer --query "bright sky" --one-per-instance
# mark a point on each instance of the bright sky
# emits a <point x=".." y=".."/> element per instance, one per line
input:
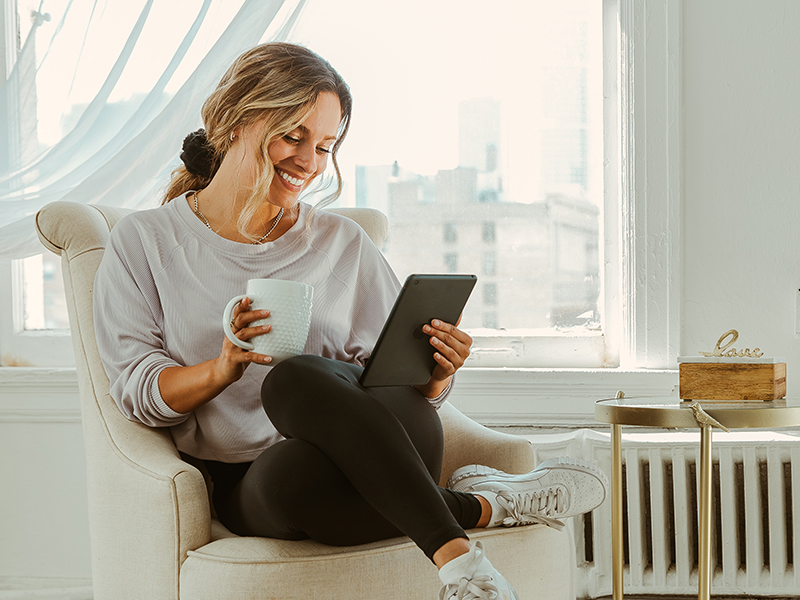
<point x="408" y="65"/>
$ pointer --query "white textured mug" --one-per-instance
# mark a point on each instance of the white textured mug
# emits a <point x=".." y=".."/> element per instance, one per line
<point x="289" y="306"/>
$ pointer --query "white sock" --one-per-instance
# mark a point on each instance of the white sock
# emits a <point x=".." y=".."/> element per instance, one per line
<point x="451" y="572"/>
<point x="498" y="512"/>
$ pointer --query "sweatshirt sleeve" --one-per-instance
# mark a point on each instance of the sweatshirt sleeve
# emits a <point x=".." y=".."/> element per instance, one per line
<point x="377" y="288"/>
<point x="128" y="326"/>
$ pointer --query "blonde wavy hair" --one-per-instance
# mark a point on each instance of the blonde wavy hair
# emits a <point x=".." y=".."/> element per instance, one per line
<point x="279" y="83"/>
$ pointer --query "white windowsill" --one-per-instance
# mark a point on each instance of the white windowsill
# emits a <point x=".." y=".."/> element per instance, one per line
<point x="39" y="395"/>
<point x="22" y="379"/>
<point x="492" y="396"/>
<point x="551" y="397"/>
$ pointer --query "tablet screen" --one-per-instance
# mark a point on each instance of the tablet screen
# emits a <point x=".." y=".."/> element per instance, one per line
<point x="403" y="354"/>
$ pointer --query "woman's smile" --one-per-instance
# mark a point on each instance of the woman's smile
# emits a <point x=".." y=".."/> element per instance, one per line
<point x="294" y="184"/>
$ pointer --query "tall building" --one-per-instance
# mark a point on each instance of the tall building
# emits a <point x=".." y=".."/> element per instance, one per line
<point x="565" y="117"/>
<point x="479" y="145"/>
<point x="479" y="134"/>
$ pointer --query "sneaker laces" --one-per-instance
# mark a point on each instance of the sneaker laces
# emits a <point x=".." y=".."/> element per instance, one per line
<point x="533" y="507"/>
<point x="472" y="586"/>
<point x="480" y="587"/>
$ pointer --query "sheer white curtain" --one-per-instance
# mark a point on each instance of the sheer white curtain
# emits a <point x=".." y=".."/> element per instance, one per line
<point x="103" y="92"/>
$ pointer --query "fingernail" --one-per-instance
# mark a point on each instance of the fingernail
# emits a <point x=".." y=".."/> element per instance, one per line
<point x="265" y="327"/>
<point x="436" y="322"/>
<point x="265" y="312"/>
<point x="427" y="328"/>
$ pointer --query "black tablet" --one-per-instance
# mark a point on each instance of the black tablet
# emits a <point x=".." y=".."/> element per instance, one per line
<point x="403" y="354"/>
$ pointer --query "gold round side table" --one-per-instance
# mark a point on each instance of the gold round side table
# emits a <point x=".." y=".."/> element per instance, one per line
<point x="672" y="413"/>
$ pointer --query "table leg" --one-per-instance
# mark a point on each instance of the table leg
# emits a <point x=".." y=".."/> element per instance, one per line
<point x="704" y="516"/>
<point x="616" y="512"/>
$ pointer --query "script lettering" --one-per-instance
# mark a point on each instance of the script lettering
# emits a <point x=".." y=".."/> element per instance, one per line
<point x="722" y="351"/>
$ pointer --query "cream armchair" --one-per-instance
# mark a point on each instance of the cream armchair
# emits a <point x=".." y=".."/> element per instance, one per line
<point x="152" y="533"/>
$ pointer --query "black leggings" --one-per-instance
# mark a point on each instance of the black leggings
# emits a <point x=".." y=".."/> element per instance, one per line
<point x="358" y="465"/>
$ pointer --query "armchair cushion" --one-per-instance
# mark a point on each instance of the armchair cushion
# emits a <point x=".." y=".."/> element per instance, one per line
<point x="532" y="558"/>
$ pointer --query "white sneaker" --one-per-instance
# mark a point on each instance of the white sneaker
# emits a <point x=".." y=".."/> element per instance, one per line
<point x="472" y="577"/>
<point x="557" y="489"/>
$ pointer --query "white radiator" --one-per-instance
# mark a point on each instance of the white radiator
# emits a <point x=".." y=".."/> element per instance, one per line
<point x="755" y="513"/>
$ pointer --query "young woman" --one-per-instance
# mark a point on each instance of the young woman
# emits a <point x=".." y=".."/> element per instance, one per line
<point x="298" y="450"/>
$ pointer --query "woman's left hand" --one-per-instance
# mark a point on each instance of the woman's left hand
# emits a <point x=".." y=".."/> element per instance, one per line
<point x="452" y="349"/>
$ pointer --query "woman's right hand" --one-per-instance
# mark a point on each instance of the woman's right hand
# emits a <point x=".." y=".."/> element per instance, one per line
<point x="233" y="360"/>
<point x="185" y="389"/>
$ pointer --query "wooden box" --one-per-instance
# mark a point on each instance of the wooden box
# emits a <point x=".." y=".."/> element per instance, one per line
<point x="721" y="379"/>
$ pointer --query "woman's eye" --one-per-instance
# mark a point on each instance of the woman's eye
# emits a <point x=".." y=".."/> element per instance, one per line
<point x="291" y="140"/>
<point x="324" y="150"/>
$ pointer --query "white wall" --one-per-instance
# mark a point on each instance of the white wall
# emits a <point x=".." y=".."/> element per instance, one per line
<point x="44" y="524"/>
<point x="741" y="216"/>
<point x="741" y="166"/>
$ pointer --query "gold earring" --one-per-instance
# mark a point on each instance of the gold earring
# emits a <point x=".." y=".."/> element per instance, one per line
<point x="233" y="135"/>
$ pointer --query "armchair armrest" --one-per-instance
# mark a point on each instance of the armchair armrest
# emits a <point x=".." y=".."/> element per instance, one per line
<point x="467" y="442"/>
<point x="147" y="507"/>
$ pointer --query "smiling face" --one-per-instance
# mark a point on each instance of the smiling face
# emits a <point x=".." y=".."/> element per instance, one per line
<point x="302" y="155"/>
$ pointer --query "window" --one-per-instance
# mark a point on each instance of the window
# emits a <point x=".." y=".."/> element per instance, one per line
<point x="43" y="293"/>
<point x="436" y="171"/>
<point x="74" y="97"/>
<point x="506" y="154"/>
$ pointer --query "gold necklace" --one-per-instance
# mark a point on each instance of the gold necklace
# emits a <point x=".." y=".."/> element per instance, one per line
<point x="258" y="241"/>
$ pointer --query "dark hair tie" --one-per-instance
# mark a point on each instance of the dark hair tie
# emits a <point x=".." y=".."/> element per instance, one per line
<point x="198" y="155"/>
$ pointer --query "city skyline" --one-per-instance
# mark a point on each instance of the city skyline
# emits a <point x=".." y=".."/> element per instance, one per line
<point x="537" y="262"/>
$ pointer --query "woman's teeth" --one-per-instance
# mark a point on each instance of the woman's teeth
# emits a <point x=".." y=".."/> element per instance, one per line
<point x="290" y="179"/>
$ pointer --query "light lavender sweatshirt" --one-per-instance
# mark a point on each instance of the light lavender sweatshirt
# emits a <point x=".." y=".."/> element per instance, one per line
<point x="158" y="299"/>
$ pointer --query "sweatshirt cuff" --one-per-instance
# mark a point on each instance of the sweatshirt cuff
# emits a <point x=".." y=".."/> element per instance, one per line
<point x="439" y="400"/>
<point x="162" y="408"/>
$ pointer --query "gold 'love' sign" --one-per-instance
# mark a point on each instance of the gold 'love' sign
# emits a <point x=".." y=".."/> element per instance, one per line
<point x="722" y="351"/>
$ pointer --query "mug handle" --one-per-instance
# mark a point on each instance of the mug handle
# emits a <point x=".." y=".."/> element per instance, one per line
<point x="226" y="324"/>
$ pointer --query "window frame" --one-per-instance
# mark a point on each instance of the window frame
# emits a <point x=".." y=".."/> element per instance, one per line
<point x="641" y="282"/>
<point x="9" y="30"/>
<point x="650" y="177"/>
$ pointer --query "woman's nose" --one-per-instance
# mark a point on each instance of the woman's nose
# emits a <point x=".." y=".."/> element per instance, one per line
<point x="306" y="158"/>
